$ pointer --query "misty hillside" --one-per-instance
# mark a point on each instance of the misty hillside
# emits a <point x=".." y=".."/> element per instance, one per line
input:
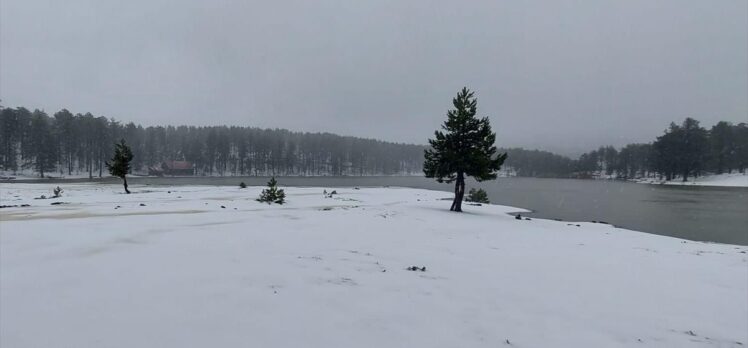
<point x="67" y="144"/>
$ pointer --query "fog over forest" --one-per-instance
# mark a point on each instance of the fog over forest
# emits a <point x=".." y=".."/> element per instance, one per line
<point x="562" y="76"/>
<point x="66" y="144"/>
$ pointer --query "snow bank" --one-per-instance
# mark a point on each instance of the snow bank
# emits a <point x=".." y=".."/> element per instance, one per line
<point x="727" y="180"/>
<point x="210" y="267"/>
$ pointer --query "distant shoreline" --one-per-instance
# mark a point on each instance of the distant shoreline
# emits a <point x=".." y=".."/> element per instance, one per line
<point x="721" y="180"/>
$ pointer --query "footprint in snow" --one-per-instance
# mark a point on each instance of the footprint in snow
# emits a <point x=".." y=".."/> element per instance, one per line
<point x="342" y="281"/>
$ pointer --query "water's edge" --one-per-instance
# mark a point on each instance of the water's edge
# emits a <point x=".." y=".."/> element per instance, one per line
<point x="701" y="213"/>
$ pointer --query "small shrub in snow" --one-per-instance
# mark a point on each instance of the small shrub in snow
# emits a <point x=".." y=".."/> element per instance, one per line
<point x="272" y="194"/>
<point x="478" y="196"/>
<point x="242" y="185"/>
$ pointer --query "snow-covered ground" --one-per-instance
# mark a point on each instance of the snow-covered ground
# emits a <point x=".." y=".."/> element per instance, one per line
<point x="728" y="180"/>
<point x="210" y="267"/>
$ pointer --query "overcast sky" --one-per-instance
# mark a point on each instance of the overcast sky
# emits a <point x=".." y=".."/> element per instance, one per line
<point x="559" y="75"/>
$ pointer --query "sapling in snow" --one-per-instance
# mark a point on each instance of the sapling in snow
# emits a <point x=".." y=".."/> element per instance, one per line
<point x="272" y="194"/>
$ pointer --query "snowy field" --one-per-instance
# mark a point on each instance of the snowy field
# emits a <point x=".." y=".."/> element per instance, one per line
<point x="205" y="266"/>
<point x="727" y="180"/>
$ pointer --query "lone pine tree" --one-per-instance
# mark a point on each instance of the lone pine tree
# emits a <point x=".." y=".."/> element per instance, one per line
<point x="119" y="165"/>
<point x="465" y="148"/>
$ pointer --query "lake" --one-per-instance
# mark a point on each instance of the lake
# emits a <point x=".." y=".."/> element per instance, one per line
<point x="715" y="214"/>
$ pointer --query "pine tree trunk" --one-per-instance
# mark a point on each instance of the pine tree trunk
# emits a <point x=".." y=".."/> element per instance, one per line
<point x="459" y="193"/>
<point x="125" y="183"/>
<point x="454" y="201"/>
<point x="461" y="180"/>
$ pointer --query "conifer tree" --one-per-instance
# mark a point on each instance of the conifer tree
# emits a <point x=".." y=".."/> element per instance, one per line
<point x="721" y="146"/>
<point x="272" y="194"/>
<point x="119" y="165"/>
<point x="465" y="148"/>
<point x="693" y="148"/>
<point x="42" y="150"/>
<point x="740" y="157"/>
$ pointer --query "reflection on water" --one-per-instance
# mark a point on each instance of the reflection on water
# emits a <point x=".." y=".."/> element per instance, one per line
<point x="698" y="213"/>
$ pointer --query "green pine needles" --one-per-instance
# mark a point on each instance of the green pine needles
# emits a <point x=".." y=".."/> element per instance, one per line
<point x="478" y="196"/>
<point x="272" y="194"/>
<point x="119" y="165"/>
<point x="465" y="147"/>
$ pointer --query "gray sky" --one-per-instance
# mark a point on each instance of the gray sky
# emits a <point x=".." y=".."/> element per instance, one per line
<point x="565" y="76"/>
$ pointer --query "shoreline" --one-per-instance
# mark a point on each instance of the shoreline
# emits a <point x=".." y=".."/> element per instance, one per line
<point x="617" y="202"/>
<point x="21" y="213"/>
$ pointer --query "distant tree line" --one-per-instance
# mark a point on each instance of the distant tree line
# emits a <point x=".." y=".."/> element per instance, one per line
<point x="684" y="150"/>
<point x="537" y="164"/>
<point x="67" y="143"/>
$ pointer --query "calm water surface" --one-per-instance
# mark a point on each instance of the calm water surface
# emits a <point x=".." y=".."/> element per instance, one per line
<point x="713" y="214"/>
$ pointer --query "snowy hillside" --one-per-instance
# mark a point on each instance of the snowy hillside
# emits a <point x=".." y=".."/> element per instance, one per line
<point x="210" y="267"/>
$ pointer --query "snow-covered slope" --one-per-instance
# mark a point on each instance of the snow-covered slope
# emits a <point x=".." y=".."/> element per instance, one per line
<point x="180" y="270"/>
